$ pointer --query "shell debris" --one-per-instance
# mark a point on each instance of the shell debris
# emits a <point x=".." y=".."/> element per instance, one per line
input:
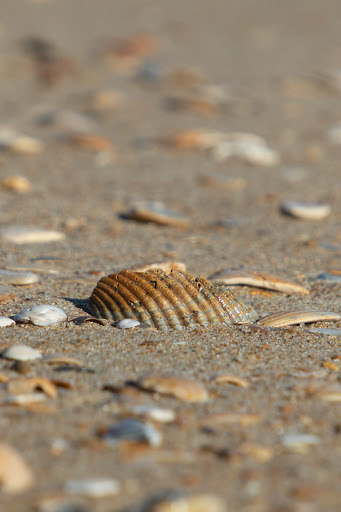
<point x="21" y="352"/>
<point x="16" y="183"/>
<point x="183" y="388"/>
<point x="155" y="211"/>
<point x="259" y="279"/>
<point x="42" y="315"/>
<point x="176" y="300"/>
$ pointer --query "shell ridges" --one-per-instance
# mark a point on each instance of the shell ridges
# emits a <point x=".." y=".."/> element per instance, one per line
<point x="175" y="300"/>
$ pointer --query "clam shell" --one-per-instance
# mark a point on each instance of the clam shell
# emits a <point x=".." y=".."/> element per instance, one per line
<point x="176" y="300"/>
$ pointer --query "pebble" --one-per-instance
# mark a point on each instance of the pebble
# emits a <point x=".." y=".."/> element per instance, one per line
<point x="127" y="323"/>
<point x="305" y="210"/>
<point x="18" y="278"/>
<point x="21" y="352"/>
<point x="299" y="443"/>
<point x="154" y="211"/>
<point x="16" y="183"/>
<point x="299" y="316"/>
<point x="6" y="322"/>
<point x="259" y="279"/>
<point x="6" y="293"/>
<point x="182" y="388"/>
<point x="42" y="315"/>
<point x="30" y="235"/>
<point x="132" y="429"/>
<point x="15" y="475"/>
<point x="94" y="487"/>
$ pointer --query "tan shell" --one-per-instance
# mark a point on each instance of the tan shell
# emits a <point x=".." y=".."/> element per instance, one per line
<point x="176" y="300"/>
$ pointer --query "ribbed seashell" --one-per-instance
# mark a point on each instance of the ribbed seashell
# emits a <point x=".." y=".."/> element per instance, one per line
<point x="176" y="300"/>
<point x="42" y="314"/>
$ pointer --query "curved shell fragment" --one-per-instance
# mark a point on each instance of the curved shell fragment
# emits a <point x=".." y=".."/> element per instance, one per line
<point x="182" y="388"/>
<point x="297" y="316"/>
<point x="305" y="210"/>
<point x="258" y="279"/>
<point x="21" y="352"/>
<point x="30" y="235"/>
<point x="6" y="322"/>
<point x="18" y="278"/>
<point x="42" y="315"/>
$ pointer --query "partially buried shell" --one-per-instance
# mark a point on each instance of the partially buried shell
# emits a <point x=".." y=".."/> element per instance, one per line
<point x="176" y="300"/>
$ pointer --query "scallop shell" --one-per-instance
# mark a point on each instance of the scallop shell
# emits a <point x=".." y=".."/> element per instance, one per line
<point x="176" y="300"/>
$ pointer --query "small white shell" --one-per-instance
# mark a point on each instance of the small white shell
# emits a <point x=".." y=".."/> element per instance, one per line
<point x="42" y="315"/>
<point x="304" y="210"/>
<point x="127" y="323"/>
<point x="21" y="352"/>
<point x="6" y="322"/>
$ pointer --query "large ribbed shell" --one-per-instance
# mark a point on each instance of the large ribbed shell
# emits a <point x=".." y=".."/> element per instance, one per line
<point x="176" y="300"/>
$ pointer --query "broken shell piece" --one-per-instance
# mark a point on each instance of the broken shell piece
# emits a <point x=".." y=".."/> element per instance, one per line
<point x="18" y="278"/>
<point x="223" y="419"/>
<point x="304" y="210"/>
<point x="159" y="414"/>
<point x="30" y="235"/>
<point x="297" y="316"/>
<point x="6" y="322"/>
<point x="94" y="487"/>
<point x="21" y="352"/>
<point x="15" y="475"/>
<point x="91" y="142"/>
<point x="22" y="385"/>
<point x="332" y="275"/>
<point x="182" y="388"/>
<point x="166" y="266"/>
<point x="42" y="314"/>
<point x="240" y="277"/>
<point x="155" y="211"/>
<point x="16" y="183"/>
<point x="133" y="430"/>
<point x="10" y="140"/>
<point x="127" y="323"/>
<point x="231" y="379"/>
<point x="174" y="301"/>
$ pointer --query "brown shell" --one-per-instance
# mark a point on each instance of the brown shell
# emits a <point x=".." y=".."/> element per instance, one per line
<point x="176" y="300"/>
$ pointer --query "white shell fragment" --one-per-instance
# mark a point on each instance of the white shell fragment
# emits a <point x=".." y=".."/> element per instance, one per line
<point x="305" y="210"/>
<point x="298" y="316"/>
<point x="6" y="322"/>
<point x="42" y="314"/>
<point x="21" y="352"/>
<point x="30" y="235"/>
<point x="133" y="430"/>
<point x="127" y="323"/>
<point x="158" y="414"/>
<point x="94" y="487"/>
<point x="18" y="278"/>
<point x="259" y="279"/>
